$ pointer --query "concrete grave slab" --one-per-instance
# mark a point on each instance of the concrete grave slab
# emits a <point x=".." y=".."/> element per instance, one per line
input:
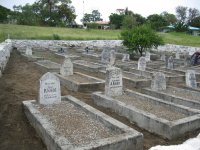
<point x="48" y="66"/>
<point x="155" y="115"/>
<point x="55" y="136"/>
<point x="81" y="82"/>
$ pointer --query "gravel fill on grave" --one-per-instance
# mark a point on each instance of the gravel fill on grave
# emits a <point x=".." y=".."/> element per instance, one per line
<point x="74" y="124"/>
<point x="86" y="63"/>
<point x="49" y="64"/>
<point x="80" y="79"/>
<point x="158" y="110"/>
<point x="183" y="94"/>
<point x="133" y="77"/>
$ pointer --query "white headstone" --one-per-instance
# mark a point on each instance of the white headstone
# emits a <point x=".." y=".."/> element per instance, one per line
<point x="126" y="57"/>
<point x="148" y="56"/>
<point x="67" y="67"/>
<point x="142" y="63"/>
<point x="49" y="90"/>
<point x="190" y="78"/>
<point x="186" y="59"/>
<point x="105" y="56"/>
<point x="113" y="84"/>
<point x="112" y="58"/>
<point x="158" y="82"/>
<point x="177" y="55"/>
<point x="163" y="57"/>
<point x="170" y="64"/>
<point x="28" y="51"/>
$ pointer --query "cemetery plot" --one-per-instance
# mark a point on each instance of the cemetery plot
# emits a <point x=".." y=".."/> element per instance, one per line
<point x="152" y="114"/>
<point x="49" y="55"/>
<point x="88" y="66"/>
<point x="66" y="125"/>
<point x="71" y="56"/>
<point x="92" y="55"/>
<point x="81" y="82"/>
<point x="48" y="66"/>
<point x="177" y="95"/>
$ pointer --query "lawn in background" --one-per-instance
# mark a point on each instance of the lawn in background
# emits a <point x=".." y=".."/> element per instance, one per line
<point x="50" y="33"/>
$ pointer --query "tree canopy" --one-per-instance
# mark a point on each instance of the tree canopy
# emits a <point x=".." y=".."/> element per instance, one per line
<point x="92" y="17"/>
<point x="4" y="12"/>
<point x="140" y="39"/>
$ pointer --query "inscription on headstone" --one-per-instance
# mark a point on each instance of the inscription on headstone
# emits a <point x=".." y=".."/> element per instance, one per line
<point x="158" y="82"/>
<point x="190" y="78"/>
<point x="67" y="67"/>
<point x="142" y="63"/>
<point x="49" y="90"/>
<point x="170" y="64"/>
<point x="113" y="84"/>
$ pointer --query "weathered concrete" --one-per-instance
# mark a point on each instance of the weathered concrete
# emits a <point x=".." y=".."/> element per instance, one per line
<point x="48" y="66"/>
<point x="95" y="84"/>
<point x="128" y="139"/>
<point x="174" y="99"/>
<point x="148" y="121"/>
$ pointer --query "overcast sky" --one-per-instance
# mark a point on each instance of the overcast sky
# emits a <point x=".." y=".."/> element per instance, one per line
<point x="106" y="7"/>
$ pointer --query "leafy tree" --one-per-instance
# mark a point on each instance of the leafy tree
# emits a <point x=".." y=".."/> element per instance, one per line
<point x="195" y="22"/>
<point x="156" y="21"/>
<point x="45" y="12"/>
<point x="116" y="20"/>
<point x="139" y="19"/>
<point x="140" y="39"/>
<point x="170" y="18"/>
<point x="192" y="14"/>
<point x="93" y="17"/>
<point x="129" y="22"/>
<point x="4" y="12"/>
<point x="181" y="13"/>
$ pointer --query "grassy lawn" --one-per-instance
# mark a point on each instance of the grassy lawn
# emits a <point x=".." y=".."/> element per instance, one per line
<point x="33" y="32"/>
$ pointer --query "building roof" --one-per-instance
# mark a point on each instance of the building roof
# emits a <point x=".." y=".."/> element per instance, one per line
<point x="189" y="27"/>
<point x="102" y="22"/>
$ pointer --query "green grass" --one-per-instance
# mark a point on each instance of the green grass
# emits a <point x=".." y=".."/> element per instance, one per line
<point x="46" y="33"/>
<point x="34" y="32"/>
<point x="181" y="39"/>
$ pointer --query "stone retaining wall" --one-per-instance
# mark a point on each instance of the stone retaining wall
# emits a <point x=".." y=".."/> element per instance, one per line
<point x="5" y="50"/>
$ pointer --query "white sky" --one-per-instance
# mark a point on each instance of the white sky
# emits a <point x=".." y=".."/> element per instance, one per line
<point x="106" y="7"/>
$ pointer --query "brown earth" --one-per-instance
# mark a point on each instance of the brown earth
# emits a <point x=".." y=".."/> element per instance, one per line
<point x="18" y="83"/>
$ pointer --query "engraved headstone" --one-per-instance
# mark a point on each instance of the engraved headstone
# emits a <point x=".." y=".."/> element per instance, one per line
<point x="177" y="55"/>
<point x="170" y="63"/>
<point x="113" y="84"/>
<point x="126" y="57"/>
<point x="28" y="51"/>
<point x="49" y="90"/>
<point x="142" y="63"/>
<point x="190" y="78"/>
<point x="148" y="56"/>
<point x="67" y="67"/>
<point x="158" y="82"/>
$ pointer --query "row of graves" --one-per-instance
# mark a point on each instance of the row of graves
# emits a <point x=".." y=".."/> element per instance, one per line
<point x="159" y="92"/>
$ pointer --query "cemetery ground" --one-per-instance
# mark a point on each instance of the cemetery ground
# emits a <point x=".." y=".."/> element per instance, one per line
<point x="19" y="83"/>
<point x="45" y="33"/>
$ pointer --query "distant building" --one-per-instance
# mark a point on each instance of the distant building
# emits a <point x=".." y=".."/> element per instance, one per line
<point x="102" y="24"/>
<point x="192" y="30"/>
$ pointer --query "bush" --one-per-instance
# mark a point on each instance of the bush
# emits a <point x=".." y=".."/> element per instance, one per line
<point x="92" y="25"/>
<point x="56" y="37"/>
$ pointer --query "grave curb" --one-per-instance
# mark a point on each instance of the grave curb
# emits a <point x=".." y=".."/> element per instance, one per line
<point x="130" y="139"/>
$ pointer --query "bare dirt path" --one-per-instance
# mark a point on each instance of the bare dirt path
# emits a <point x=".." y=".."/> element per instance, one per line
<point x="20" y="82"/>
